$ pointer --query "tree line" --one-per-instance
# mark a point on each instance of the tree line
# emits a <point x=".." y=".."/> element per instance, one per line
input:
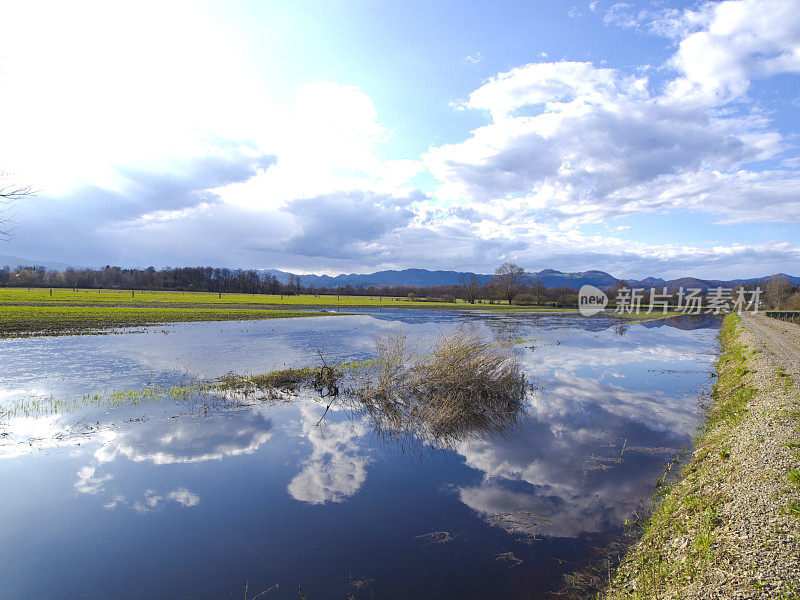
<point x="510" y="284"/>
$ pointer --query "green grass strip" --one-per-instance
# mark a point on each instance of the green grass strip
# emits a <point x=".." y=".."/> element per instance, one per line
<point x="27" y="320"/>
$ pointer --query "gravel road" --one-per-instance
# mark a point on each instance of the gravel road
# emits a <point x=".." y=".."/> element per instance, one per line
<point x="781" y="339"/>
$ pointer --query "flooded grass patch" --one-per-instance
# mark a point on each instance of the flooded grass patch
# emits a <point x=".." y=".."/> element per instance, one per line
<point x="65" y="320"/>
<point x="45" y="406"/>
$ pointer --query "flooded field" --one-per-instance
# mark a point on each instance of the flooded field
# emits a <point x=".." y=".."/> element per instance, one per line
<point x="121" y="478"/>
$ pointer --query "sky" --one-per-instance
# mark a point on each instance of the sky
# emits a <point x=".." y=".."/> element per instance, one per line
<point x="639" y="138"/>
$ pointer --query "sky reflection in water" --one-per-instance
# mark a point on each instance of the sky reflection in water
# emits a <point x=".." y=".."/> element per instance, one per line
<point x="171" y="499"/>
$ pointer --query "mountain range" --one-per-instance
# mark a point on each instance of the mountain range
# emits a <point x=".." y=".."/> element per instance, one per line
<point x="549" y="277"/>
<point x="16" y="261"/>
<point x="425" y="278"/>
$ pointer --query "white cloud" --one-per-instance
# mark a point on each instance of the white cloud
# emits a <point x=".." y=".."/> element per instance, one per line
<point x="337" y="467"/>
<point x="81" y="100"/>
<point x="597" y="143"/>
<point x="473" y="58"/>
<point x="547" y="469"/>
<point x="153" y="146"/>
<point x="736" y="197"/>
<point x="325" y="143"/>
<point x="733" y="42"/>
<point x="570" y="143"/>
<point x="92" y="110"/>
<point x="184" y="497"/>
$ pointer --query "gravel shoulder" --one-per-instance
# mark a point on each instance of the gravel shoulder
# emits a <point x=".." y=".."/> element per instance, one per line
<point x="729" y="526"/>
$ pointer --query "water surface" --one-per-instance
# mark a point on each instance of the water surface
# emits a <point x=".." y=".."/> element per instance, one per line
<point x="180" y="498"/>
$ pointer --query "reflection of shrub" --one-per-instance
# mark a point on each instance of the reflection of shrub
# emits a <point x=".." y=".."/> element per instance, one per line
<point x="463" y="383"/>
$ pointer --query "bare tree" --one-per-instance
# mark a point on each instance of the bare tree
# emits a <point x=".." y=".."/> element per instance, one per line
<point x="777" y="290"/>
<point x="294" y="283"/>
<point x="8" y="195"/>
<point x="508" y="280"/>
<point x="469" y="286"/>
<point x="539" y="289"/>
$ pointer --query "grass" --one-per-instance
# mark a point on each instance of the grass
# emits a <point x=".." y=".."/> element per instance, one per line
<point x="68" y="297"/>
<point x="687" y="509"/>
<point x="644" y="317"/>
<point x="282" y="379"/>
<point x="39" y="311"/>
<point x="285" y="379"/>
<point x="794" y="477"/>
<point x="37" y="406"/>
<point x="463" y="383"/>
<point x="64" y="320"/>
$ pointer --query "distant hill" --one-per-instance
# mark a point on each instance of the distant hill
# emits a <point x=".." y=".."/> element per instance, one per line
<point x="794" y="280"/>
<point x="15" y="261"/>
<point x="703" y="284"/>
<point x="410" y="277"/>
<point x="549" y="277"/>
<point x="425" y="278"/>
<point x="553" y="278"/>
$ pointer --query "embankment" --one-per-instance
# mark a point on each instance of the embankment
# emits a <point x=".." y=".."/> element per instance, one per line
<point x="729" y="524"/>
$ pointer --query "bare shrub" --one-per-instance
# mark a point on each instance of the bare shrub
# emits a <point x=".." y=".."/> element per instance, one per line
<point x="463" y="384"/>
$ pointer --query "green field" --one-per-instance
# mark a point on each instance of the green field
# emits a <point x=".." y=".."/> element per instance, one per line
<point x="39" y="311"/>
<point x="68" y="297"/>
<point x="62" y="297"/>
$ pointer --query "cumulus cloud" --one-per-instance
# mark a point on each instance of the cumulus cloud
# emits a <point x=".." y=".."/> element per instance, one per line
<point x="559" y="466"/>
<point x="115" y="222"/>
<point x="736" y="197"/>
<point x="304" y="183"/>
<point x="596" y="145"/>
<point x="730" y="43"/>
<point x="346" y="225"/>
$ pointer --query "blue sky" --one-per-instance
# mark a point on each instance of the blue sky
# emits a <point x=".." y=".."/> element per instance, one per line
<point x="640" y="138"/>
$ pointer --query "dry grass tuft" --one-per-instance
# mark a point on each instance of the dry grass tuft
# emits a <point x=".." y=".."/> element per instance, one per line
<point x="463" y="384"/>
